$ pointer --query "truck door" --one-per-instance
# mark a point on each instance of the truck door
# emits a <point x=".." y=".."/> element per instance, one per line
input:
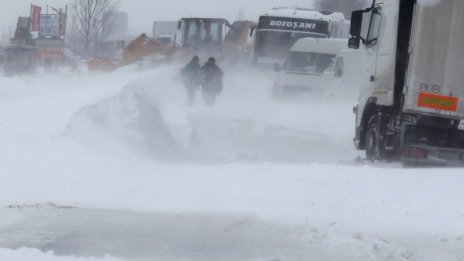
<point x="381" y="50"/>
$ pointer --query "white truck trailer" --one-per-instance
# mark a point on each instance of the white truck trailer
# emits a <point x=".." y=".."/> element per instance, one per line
<point x="411" y="104"/>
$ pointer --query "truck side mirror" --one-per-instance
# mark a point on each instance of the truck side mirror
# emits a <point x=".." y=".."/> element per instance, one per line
<point x="252" y="31"/>
<point x="179" y="25"/>
<point x="356" y="23"/>
<point x="355" y="29"/>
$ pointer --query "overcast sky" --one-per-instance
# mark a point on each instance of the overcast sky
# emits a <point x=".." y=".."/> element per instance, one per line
<point x="142" y="13"/>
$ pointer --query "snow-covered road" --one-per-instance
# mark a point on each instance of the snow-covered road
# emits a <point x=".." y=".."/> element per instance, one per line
<point x="127" y="235"/>
<point x="255" y="178"/>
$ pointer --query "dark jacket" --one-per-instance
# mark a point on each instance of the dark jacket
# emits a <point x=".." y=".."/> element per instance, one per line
<point x="212" y="77"/>
<point x="191" y="74"/>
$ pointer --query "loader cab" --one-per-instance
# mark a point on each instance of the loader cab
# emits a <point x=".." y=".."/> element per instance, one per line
<point x="203" y="34"/>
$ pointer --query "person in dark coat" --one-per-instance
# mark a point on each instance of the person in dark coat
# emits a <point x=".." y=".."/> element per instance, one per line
<point x="212" y="81"/>
<point x="191" y="76"/>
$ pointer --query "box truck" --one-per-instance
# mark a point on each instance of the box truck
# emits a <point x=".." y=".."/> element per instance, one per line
<point x="411" y="103"/>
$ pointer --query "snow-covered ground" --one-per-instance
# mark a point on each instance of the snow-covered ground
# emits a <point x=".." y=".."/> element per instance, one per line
<point x="117" y="167"/>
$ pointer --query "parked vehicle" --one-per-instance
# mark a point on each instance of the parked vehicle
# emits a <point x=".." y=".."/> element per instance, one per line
<point x="215" y="37"/>
<point x="279" y="29"/>
<point x="313" y="65"/>
<point x="204" y="37"/>
<point x="411" y="105"/>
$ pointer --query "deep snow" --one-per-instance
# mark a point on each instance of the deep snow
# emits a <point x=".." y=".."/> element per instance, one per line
<point x="36" y="255"/>
<point x="254" y="171"/>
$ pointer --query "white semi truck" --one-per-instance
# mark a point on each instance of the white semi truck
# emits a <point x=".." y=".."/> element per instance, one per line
<point x="313" y="65"/>
<point x="280" y="28"/>
<point x="411" y="104"/>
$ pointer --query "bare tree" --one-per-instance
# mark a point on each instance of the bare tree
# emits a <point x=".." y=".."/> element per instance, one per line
<point x="91" y="21"/>
<point x="344" y="6"/>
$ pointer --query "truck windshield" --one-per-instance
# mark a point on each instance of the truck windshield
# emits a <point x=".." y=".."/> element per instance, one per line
<point x="277" y="44"/>
<point x="276" y="35"/>
<point x="310" y="62"/>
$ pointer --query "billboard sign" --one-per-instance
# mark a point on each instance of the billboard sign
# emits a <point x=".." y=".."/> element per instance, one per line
<point x="49" y="26"/>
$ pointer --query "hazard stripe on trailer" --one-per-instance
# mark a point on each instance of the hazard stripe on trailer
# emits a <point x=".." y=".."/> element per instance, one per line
<point x="438" y="102"/>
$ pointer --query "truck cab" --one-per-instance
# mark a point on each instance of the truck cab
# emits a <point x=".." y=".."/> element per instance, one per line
<point x="411" y="100"/>
<point x="313" y="65"/>
<point x="281" y="27"/>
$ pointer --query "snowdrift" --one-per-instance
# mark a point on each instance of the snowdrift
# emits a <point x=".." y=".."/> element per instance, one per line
<point x="380" y="212"/>
<point x="150" y="118"/>
<point x="36" y="255"/>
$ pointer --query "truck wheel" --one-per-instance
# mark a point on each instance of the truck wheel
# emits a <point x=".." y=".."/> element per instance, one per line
<point x="375" y="147"/>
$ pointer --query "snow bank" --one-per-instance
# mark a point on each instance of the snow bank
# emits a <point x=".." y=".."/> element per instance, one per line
<point x="302" y="170"/>
<point x="131" y="121"/>
<point x="36" y="255"/>
<point x="150" y="118"/>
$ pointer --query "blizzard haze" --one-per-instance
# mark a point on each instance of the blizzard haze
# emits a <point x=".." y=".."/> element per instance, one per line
<point x="142" y="13"/>
<point x="119" y="166"/>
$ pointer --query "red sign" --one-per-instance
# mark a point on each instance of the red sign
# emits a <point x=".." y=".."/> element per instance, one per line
<point x="438" y="102"/>
<point x="35" y="18"/>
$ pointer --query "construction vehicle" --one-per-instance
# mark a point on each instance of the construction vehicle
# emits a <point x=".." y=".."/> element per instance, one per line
<point x="136" y="50"/>
<point x="239" y="42"/>
<point x="143" y="46"/>
<point x="215" y="37"/>
<point x="411" y="104"/>
<point x="204" y="37"/>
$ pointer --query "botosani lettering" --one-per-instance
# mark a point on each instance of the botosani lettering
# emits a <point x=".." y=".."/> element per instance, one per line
<point x="294" y="25"/>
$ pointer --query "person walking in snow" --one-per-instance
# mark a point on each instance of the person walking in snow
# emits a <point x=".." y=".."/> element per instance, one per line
<point x="191" y="76"/>
<point x="212" y="81"/>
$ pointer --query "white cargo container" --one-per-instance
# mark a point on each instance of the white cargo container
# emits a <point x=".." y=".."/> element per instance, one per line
<point x="412" y="101"/>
